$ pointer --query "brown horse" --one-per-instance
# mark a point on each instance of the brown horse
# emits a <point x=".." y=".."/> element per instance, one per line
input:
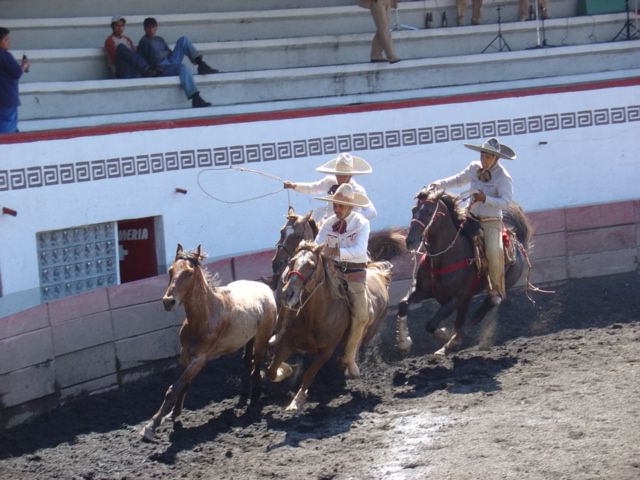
<point x="220" y="321"/>
<point x="322" y="320"/>
<point x="447" y="271"/>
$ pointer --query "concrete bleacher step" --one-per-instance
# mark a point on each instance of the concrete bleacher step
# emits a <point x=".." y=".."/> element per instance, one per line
<point x="84" y="8"/>
<point x="90" y="32"/>
<point x="87" y="98"/>
<point x="282" y="53"/>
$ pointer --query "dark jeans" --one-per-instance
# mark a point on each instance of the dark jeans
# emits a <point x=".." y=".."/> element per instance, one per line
<point x="128" y="63"/>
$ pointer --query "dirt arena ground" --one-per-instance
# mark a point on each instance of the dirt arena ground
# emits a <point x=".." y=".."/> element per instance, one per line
<point x="550" y="391"/>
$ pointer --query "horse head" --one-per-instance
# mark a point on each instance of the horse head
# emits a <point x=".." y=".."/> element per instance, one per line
<point x="296" y="229"/>
<point x="422" y="215"/>
<point x="181" y="275"/>
<point x="304" y="273"/>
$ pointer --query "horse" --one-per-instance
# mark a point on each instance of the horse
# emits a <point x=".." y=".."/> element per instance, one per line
<point x="322" y="321"/>
<point x="219" y="321"/>
<point x="448" y="271"/>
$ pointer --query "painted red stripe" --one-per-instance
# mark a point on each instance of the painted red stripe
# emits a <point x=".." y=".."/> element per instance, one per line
<point x="310" y="112"/>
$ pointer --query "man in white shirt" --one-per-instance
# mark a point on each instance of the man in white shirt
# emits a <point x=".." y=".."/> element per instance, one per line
<point x="345" y="236"/>
<point x="493" y="191"/>
<point x="341" y="170"/>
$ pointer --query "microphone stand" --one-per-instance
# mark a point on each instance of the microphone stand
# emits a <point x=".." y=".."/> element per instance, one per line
<point x="502" y="43"/>
<point x="630" y="30"/>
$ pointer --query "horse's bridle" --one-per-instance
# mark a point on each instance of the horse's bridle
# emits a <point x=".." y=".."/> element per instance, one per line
<point x="425" y="232"/>
<point x="305" y="281"/>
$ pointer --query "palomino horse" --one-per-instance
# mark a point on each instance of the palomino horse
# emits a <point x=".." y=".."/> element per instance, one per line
<point x="447" y="271"/>
<point x="323" y="319"/>
<point x="220" y="321"/>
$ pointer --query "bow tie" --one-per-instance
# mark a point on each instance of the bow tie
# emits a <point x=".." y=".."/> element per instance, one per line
<point x="340" y="226"/>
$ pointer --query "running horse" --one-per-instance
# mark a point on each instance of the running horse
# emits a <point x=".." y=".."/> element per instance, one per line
<point x="322" y="320"/>
<point x="447" y="271"/>
<point x="219" y="321"/>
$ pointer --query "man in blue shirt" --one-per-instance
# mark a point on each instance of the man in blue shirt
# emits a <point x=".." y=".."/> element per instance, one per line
<point x="157" y="53"/>
<point x="10" y="73"/>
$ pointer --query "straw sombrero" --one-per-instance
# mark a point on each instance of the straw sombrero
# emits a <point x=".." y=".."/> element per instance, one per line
<point x="495" y="147"/>
<point x="346" y="164"/>
<point x="346" y="196"/>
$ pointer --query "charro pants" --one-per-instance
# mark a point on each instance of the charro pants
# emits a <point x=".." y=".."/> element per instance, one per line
<point x="461" y="6"/>
<point x="356" y="291"/>
<point x="382" y="40"/>
<point x="492" y="230"/>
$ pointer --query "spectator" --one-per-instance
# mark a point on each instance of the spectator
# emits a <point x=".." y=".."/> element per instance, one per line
<point x="524" y="10"/>
<point x="476" y="6"/>
<point x="10" y="73"/>
<point x="382" y="40"/>
<point x="157" y="53"/>
<point x="123" y="60"/>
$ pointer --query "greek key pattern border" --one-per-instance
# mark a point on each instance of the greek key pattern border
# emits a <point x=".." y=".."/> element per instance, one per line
<point x="95" y="170"/>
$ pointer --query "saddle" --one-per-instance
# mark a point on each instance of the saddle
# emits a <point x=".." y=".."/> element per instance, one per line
<point x="473" y="230"/>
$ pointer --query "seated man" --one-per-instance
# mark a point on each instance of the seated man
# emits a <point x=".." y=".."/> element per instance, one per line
<point x="122" y="58"/>
<point x="157" y="54"/>
<point x="345" y="236"/>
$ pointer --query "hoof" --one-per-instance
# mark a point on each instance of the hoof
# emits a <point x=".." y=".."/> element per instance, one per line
<point x="352" y="371"/>
<point x="147" y="433"/>
<point x="297" y="403"/>
<point x="404" y="346"/>
<point x="441" y="334"/>
<point x="284" y="371"/>
<point x="273" y="341"/>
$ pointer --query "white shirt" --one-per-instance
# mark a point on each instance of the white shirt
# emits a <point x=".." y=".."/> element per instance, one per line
<point x="353" y="242"/>
<point x="321" y="187"/>
<point x="498" y="190"/>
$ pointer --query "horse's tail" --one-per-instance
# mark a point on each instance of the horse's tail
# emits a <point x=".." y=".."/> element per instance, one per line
<point x="386" y="244"/>
<point x="515" y="216"/>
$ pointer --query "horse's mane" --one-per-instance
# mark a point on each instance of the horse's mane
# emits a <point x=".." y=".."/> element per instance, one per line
<point x="457" y="213"/>
<point x="195" y="258"/>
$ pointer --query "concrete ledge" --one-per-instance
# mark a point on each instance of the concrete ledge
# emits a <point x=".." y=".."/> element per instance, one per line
<point x="58" y="99"/>
<point x="24" y="350"/>
<point x="53" y="65"/>
<point x="549" y="245"/>
<point x="26" y="384"/>
<point x="77" y="306"/>
<point x="34" y="318"/>
<point x="85" y="365"/>
<point x="601" y="240"/>
<point x="82" y="333"/>
<point x="143" y="318"/>
<point x="144" y="349"/>
<point x="594" y="216"/>
<point x="140" y="291"/>
<point x="108" y="382"/>
<point x="603" y="263"/>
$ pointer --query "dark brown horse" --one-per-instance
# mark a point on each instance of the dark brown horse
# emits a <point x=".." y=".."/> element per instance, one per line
<point x="321" y="319"/>
<point x="447" y="271"/>
<point x="220" y="321"/>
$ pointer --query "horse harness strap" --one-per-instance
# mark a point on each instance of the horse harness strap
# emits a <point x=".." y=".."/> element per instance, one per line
<point x="464" y="263"/>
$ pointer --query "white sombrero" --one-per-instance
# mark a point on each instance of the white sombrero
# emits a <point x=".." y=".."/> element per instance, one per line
<point x="346" y="196"/>
<point x="495" y="147"/>
<point x="346" y="164"/>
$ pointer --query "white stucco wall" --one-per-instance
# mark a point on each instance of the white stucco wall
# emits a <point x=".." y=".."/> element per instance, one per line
<point x="585" y="151"/>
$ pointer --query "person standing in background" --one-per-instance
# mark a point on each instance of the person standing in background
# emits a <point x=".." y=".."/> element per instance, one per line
<point x="524" y="10"/>
<point x="10" y="73"/>
<point x="461" y="6"/>
<point x="382" y="41"/>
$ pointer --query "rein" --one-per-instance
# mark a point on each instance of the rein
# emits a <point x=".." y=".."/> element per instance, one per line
<point x="295" y="273"/>
<point x="425" y="231"/>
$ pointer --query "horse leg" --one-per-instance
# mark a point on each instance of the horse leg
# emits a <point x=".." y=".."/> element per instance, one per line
<point x="260" y="348"/>
<point x="245" y="389"/>
<point x="403" y="340"/>
<point x="455" y="342"/>
<point x="486" y="306"/>
<point x="307" y="379"/>
<point x="279" y="370"/>
<point x="171" y="396"/>
<point x="445" y="310"/>
<point x="177" y="408"/>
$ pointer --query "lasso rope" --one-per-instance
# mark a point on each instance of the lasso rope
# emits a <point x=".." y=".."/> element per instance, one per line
<point x="245" y="200"/>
